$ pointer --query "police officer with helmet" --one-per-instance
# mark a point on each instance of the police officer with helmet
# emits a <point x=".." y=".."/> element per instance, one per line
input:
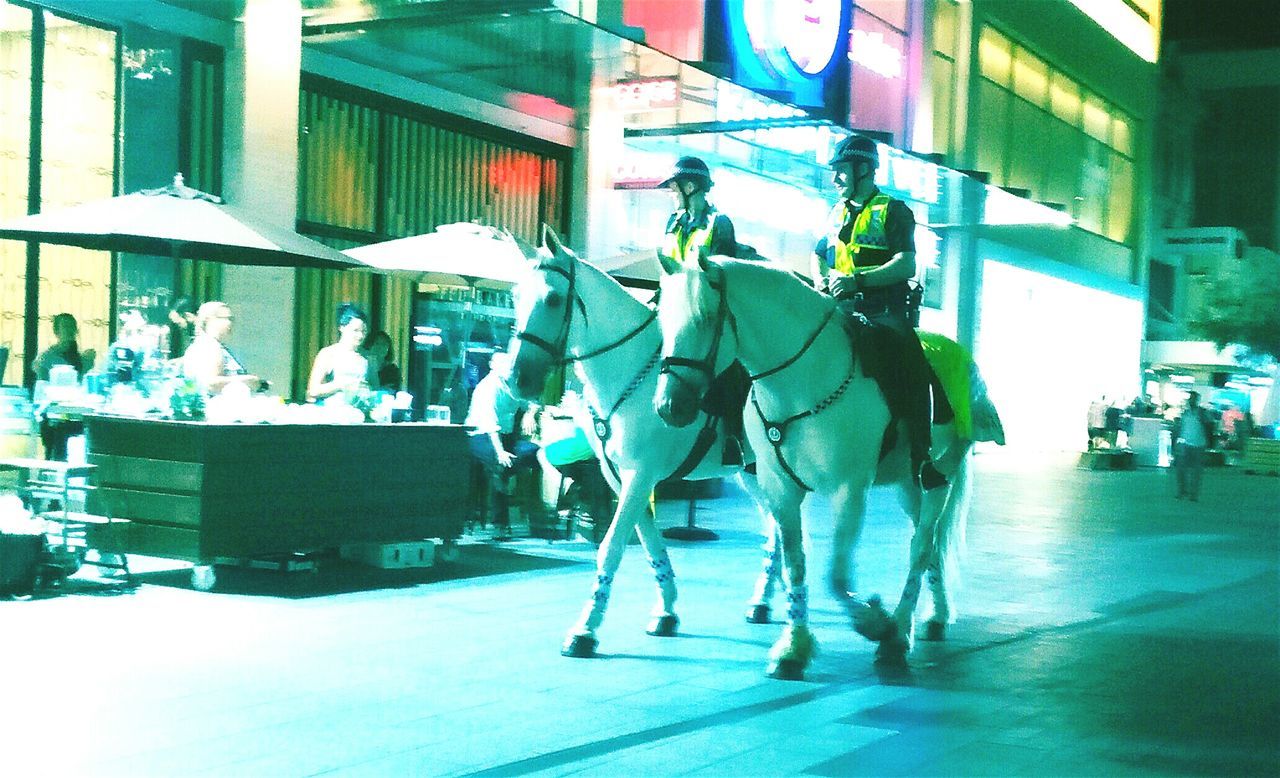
<point x="696" y="228"/>
<point x="865" y="260"/>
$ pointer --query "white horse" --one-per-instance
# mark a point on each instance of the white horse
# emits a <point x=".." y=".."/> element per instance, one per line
<point x="570" y="312"/>
<point x="818" y="424"/>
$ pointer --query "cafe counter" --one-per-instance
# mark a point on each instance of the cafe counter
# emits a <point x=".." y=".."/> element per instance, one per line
<point x="207" y="492"/>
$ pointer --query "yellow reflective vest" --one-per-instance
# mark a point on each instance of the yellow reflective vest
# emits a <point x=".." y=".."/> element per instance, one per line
<point x="684" y="250"/>
<point x="868" y="244"/>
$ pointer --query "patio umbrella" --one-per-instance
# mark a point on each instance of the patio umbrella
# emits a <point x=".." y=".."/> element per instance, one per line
<point x="175" y="221"/>
<point x="471" y="251"/>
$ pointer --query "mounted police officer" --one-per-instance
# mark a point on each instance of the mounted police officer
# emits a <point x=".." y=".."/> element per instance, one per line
<point x="696" y="228"/>
<point x="694" y="231"/>
<point x="865" y="260"/>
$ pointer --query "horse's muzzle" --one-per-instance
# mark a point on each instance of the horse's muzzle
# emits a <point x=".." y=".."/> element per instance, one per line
<point x="528" y="380"/>
<point x="676" y="401"/>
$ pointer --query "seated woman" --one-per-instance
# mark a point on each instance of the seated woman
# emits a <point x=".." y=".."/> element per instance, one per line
<point x="207" y="361"/>
<point x="340" y="367"/>
<point x="383" y="373"/>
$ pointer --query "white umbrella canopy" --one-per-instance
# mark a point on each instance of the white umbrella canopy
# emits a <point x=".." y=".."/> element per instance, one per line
<point x="175" y="221"/>
<point x="469" y="251"/>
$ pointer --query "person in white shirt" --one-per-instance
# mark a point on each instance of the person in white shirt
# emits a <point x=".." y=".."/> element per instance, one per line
<point x="207" y="361"/>
<point x="495" y="435"/>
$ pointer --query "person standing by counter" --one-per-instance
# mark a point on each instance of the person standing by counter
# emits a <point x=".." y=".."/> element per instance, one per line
<point x="383" y="373"/>
<point x="54" y="434"/>
<point x="340" y="367"/>
<point x="207" y="360"/>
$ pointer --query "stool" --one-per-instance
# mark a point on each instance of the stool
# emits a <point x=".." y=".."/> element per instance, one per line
<point x="52" y="480"/>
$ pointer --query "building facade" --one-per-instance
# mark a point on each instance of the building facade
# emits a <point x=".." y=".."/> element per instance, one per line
<point x="1018" y="133"/>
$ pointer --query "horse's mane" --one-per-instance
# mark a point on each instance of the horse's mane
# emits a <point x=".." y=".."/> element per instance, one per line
<point x="689" y="296"/>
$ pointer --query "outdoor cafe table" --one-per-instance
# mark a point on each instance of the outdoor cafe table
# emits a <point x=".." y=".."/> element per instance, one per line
<point x="207" y="493"/>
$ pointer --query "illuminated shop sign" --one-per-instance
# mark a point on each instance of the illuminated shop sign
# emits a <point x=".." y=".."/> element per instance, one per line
<point x="646" y="94"/>
<point x="641" y="170"/>
<point x="802" y="34"/>
<point x="790" y="48"/>
<point x="873" y="52"/>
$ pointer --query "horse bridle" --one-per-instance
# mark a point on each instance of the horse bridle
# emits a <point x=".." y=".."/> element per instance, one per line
<point x="775" y="431"/>
<point x="707" y="365"/>
<point x="557" y="349"/>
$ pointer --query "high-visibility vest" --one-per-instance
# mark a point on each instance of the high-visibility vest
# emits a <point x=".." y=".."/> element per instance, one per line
<point x="868" y="244"/>
<point x="684" y="251"/>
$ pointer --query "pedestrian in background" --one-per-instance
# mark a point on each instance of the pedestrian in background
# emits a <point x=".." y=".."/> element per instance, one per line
<point x="1192" y="432"/>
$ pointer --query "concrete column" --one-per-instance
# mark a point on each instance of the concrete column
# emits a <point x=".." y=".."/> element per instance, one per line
<point x="260" y="167"/>
<point x="599" y="147"/>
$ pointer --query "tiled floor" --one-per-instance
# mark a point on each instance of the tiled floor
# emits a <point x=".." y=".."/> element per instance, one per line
<point x="1105" y="629"/>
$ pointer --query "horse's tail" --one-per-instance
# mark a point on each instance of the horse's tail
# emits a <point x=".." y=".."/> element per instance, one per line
<point x="949" y="538"/>
<point x="985" y="419"/>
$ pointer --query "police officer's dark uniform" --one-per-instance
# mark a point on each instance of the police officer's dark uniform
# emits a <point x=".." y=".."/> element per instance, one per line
<point x="862" y="236"/>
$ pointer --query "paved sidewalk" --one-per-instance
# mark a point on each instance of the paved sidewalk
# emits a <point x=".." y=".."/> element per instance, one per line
<point x="1104" y="628"/>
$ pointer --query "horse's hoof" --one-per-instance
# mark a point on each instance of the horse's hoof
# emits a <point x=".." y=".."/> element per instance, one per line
<point x="892" y="651"/>
<point x="935" y="631"/>
<point x="758" y="614"/>
<point x="663" y="626"/>
<point x="786" y="670"/>
<point x="579" y="647"/>
<point x="873" y="622"/>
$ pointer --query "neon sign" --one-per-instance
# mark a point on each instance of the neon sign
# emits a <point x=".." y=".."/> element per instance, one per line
<point x="798" y="35"/>
<point x="646" y="94"/>
<point x="870" y="50"/>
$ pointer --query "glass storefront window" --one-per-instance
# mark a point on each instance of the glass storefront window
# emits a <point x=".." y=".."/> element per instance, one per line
<point x="993" y="123"/>
<point x="995" y="56"/>
<point x="77" y="165"/>
<point x="1097" y="121"/>
<point x="1121" y="138"/>
<point x="943" y="103"/>
<point x="1030" y="77"/>
<point x="15" y="145"/>
<point x="945" y="24"/>
<point x="1064" y="98"/>
<point x="1120" y="207"/>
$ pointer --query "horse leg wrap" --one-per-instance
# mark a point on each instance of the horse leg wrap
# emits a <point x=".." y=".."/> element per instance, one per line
<point x="665" y="575"/>
<point x="769" y="576"/>
<point x="594" y="614"/>
<point x="798" y="605"/>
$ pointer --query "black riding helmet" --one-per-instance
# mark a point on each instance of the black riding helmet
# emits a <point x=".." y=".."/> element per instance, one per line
<point x="855" y="148"/>
<point x="690" y="168"/>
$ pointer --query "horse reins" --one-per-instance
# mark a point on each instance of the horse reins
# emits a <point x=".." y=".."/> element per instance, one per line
<point x="707" y="365"/>
<point x="559" y="348"/>
<point x="775" y="431"/>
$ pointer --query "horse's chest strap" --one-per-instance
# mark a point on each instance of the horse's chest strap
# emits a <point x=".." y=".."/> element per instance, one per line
<point x="600" y="424"/>
<point x="776" y="431"/>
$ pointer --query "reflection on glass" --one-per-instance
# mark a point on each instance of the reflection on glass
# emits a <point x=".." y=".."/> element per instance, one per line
<point x="77" y="165"/>
<point x="15" y="145"/>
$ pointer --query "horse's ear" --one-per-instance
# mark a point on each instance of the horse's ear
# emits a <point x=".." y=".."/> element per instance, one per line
<point x="550" y="239"/>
